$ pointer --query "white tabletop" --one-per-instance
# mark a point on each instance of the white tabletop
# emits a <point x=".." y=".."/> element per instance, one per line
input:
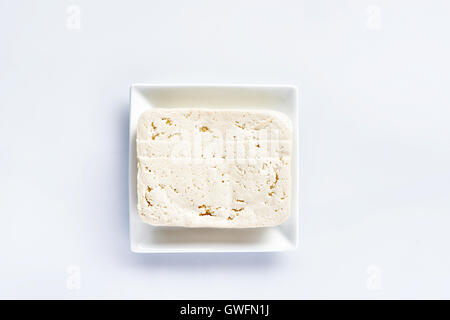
<point x="374" y="145"/>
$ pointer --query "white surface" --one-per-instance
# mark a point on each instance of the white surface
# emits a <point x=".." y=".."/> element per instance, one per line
<point x="375" y="206"/>
<point x="147" y="238"/>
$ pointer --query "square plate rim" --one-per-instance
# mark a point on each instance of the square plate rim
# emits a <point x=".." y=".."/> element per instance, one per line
<point x="295" y="91"/>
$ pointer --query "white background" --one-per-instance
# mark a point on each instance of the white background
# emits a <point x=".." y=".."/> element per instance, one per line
<point x="375" y="133"/>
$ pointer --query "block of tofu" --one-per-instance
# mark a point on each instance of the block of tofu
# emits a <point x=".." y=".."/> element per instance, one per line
<point x="193" y="173"/>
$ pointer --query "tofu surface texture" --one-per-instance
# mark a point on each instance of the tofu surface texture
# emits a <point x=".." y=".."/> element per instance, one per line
<point x="213" y="168"/>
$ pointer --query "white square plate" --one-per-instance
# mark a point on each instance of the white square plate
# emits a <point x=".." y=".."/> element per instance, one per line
<point x="147" y="238"/>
